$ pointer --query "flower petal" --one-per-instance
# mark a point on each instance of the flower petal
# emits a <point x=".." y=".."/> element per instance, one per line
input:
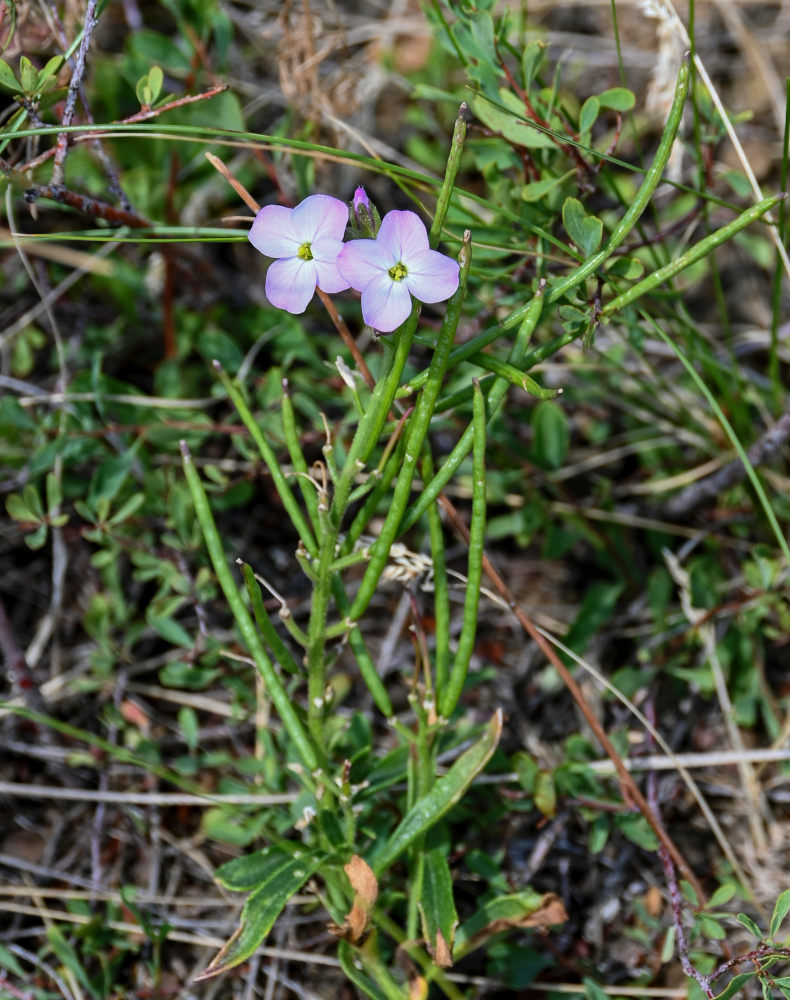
<point x="290" y="283"/>
<point x="273" y="233"/>
<point x="404" y="235"/>
<point x="320" y="215"/>
<point x="385" y="303"/>
<point x="432" y="277"/>
<point x="361" y="261"/>
<point x="325" y="253"/>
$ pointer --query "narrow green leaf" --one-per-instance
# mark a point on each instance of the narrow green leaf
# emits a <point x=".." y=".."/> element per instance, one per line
<point x="18" y="509"/>
<point x="189" y="725"/>
<point x="537" y="190"/>
<point x="28" y="75"/>
<point x="9" y="961"/>
<point x="7" y="78"/>
<point x="260" y="912"/>
<point x="155" y="80"/>
<point x="780" y="912"/>
<point x="589" y="113"/>
<point x="170" y="631"/>
<point x="520" y="909"/>
<point x="722" y="895"/>
<point x="511" y="125"/>
<point x="585" y="230"/>
<point x="527" y="770"/>
<point x="53" y="492"/>
<point x="68" y="957"/>
<point x="735" y="985"/>
<point x="750" y="925"/>
<point x="443" y="796"/>
<point x="545" y="793"/>
<point x="551" y="434"/>
<point x="437" y="907"/>
<point x="31" y="497"/>
<point x="252" y="870"/>
<point x="127" y="509"/>
<point x="351" y="965"/>
<point x="38" y="539"/>
<point x="110" y="476"/>
<point x="593" y="991"/>
<point x="50" y="69"/>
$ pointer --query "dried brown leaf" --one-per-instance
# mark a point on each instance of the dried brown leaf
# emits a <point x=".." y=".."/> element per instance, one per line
<point x="366" y="890"/>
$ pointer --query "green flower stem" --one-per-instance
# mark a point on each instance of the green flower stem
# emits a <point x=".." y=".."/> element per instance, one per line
<point x="441" y="589"/>
<point x="474" y="575"/>
<point x="274" y="689"/>
<point x="296" y="633"/>
<point x="418" y="428"/>
<point x="297" y="456"/>
<point x="642" y="197"/>
<point x="451" y="170"/>
<point x="281" y="652"/>
<point x="496" y="394"/>
<point x="430" y="969"/>
<point x="691" y="256"/>
<point x="292" y="508"/>
<point x="513" y="375"/>
<point x="371" y="505"/>
<point x="548" y="350"/>
<point x="362" y="656"/>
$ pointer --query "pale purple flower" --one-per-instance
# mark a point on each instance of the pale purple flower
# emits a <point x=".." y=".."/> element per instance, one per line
<point x="306" y="240"/>
<point x="399" y="263"/>
<point x="361" y="198"/>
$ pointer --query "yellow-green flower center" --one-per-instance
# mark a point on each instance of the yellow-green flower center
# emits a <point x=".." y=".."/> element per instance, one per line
<point x="304" y="252"/>
<point x="398" y="271"/>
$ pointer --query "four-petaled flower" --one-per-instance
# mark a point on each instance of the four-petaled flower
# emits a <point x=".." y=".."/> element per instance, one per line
<point x="399" y="263"/>
<point x="306" y="240"/>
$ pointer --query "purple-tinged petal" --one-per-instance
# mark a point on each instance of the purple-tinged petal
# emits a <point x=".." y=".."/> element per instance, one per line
<point x="320" y="215"/>
<point x="290" y="283"/>
<point x="273" y="233"/>
<point x="362" y="261"/>
<point x="404" y="235"/>
<point x="325" y="253"/>
<point x="361" y="198"/>
<point x="385" y="303"/>
<point x="432" y="277"/>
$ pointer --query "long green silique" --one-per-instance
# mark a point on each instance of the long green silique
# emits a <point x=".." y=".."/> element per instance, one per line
<point x="692" y="255"/>
<point x="496" y="394"/>
<point x="474" y="574"/>
<point x="281" y="484"/>
<point x="274" y="689"/>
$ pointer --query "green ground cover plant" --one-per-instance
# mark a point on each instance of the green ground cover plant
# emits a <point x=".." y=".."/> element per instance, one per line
<point x="367" y="612"/>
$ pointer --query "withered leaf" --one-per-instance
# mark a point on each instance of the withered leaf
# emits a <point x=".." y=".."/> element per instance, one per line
<point x="366" y="890"/>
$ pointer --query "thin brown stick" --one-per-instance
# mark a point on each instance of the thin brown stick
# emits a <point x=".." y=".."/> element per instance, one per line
<point x="62" y="145"/>
<point x="627" y="782"/>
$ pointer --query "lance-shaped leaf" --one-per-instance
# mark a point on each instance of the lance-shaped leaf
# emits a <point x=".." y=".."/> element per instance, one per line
<point x="252" y="870"/>
<point x="262" y="908"/>
<point x="437" y="907"/>
<point x="447" y="791"/>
